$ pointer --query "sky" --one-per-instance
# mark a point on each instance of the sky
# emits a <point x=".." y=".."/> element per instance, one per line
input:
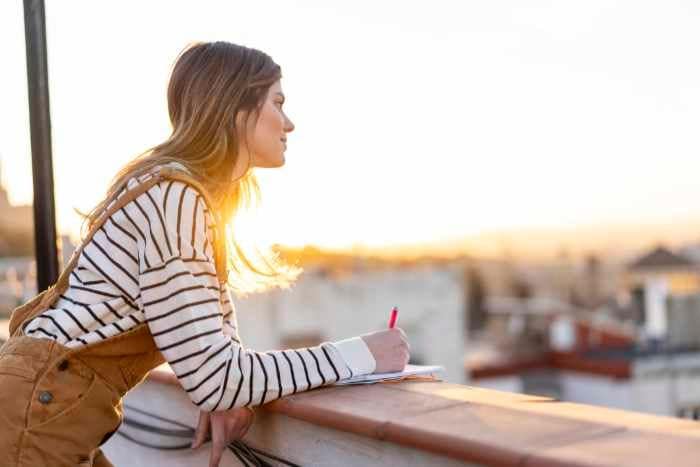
<point x="415" y="121"/>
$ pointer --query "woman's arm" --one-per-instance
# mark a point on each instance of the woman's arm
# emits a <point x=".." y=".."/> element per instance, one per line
<point x="354" y="351"/>
<point x="183" y="309"/>
<point x="229" y="315"/>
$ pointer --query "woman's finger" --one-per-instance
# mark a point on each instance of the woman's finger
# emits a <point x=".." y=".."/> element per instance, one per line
<point x="236" y="423"/>
<point x="200" y="434"/>
<point x="218" y="441"/>
<point x="247" y="422"/>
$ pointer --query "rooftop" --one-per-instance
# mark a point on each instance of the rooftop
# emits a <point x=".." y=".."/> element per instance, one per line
<point x="661" y="257"/>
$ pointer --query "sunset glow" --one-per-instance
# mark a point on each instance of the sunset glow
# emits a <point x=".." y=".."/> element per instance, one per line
<point x="413" y="125"/>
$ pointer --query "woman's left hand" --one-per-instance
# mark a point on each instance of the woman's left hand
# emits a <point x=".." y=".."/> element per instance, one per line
<point x="226" y="426"/>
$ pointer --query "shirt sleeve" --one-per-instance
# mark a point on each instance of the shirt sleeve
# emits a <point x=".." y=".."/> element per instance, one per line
<point x="356" y="355"/>
<point x="229" y="315"/>
<point x="192" y="319"/>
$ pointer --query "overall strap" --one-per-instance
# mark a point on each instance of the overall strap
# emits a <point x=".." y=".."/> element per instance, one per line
<point x="42" y="301"/>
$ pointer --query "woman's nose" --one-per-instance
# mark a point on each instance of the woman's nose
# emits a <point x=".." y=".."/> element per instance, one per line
<point x="288" y="125"/>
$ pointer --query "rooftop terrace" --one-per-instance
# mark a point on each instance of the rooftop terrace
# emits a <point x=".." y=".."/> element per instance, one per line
<point x="428" y="423"/>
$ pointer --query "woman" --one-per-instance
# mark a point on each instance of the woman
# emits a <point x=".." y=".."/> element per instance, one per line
<point x="150" y="283"/>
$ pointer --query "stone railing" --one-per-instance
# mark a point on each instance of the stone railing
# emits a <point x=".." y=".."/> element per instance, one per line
<point x="421" y="424"/>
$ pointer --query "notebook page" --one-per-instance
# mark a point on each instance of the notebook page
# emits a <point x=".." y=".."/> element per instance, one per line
<point x="434" y="371"/>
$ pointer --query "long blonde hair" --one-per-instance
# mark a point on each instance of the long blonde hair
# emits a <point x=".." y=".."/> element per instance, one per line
<point x="211" y="82"/>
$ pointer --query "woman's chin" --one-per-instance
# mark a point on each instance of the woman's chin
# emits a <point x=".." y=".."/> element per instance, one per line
<point x="271" y="164"/>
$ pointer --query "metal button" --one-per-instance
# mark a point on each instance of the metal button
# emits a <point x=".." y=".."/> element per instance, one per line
<point x="45" y="397"/>
<point x="63" y="365"/>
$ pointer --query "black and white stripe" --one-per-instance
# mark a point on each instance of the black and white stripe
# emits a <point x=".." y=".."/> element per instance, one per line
<point x="152" y="262"/>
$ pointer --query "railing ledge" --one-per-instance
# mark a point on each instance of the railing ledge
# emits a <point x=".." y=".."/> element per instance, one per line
<point x="488" y="427"/>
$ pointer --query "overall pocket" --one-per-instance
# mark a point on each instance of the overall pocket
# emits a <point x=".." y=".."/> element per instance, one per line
<point x="60" y="391"/>
<point x="65" y="427"/>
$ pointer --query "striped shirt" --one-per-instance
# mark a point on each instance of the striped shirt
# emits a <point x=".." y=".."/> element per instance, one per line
<point x="152" y="261"/>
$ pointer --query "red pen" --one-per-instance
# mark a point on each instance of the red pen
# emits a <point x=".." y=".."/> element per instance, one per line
<point x="394" y="315"/>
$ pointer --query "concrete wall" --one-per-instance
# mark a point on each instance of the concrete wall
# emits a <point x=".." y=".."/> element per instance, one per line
<point x="431" y="306"/>
<point x="294" y="440"/>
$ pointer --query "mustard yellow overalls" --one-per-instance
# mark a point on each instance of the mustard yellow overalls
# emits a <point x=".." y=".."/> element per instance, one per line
<point x="59" y="404"/>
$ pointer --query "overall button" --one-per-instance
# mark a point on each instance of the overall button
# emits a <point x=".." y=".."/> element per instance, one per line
<point x="63" y="365"/>
<point x="45" y="397"/>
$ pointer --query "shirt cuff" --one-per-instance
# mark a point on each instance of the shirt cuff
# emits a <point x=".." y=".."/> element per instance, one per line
<point x="357" y="355"/>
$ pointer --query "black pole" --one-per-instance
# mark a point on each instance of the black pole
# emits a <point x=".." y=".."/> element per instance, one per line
<point x="46" y="248"/>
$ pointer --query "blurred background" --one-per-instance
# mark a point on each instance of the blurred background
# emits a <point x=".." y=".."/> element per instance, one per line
<point x="519" y="178"/>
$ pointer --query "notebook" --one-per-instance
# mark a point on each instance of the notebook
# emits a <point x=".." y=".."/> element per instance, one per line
<point x="410" y="372"/>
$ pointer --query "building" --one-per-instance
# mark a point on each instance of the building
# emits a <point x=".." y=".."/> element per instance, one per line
<point x="662" y="284"/>
<point x="322" y="307"/>
<point x="654" y="380"/>
<point x="17" y="226"/>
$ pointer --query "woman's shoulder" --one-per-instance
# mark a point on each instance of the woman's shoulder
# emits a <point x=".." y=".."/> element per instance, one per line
<point x="180" y="180"/>
<point x="176" y="197"/>
<point x="175" y="169"/>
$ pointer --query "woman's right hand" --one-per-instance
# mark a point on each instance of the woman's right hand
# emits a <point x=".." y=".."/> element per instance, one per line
<point x="390" y="349"/>
<point x="226" y="426"/>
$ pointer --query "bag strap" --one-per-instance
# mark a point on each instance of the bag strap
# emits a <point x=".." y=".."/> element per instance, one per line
<point x="43" y="300"/>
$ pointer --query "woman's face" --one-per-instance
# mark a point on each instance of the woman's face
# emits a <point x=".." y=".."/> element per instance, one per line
<point x="267" y="139"/>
